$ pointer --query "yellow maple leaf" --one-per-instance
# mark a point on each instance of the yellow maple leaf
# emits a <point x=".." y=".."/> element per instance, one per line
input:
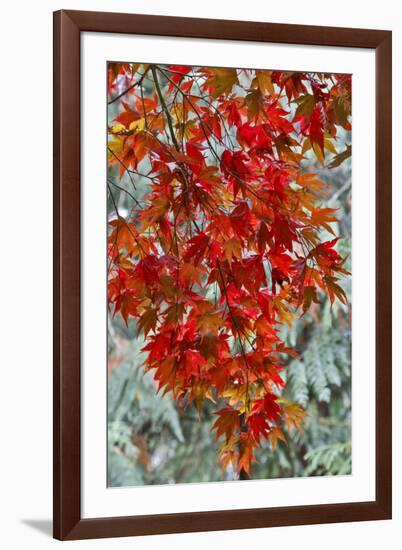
<point x="265" y="82"/>
<point x="232" y="249"/>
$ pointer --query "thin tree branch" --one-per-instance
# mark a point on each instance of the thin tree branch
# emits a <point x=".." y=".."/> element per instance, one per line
<point x="137" y="83"/>
<point x="164" y="107"/>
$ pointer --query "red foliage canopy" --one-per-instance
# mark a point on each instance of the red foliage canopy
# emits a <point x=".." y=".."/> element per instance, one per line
<point x="226" y="244"/>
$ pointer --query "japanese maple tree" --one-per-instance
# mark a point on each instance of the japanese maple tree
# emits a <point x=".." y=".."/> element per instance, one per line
<point x="226" y="243"/>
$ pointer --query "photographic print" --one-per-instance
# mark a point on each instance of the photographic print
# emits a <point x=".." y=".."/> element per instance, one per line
<point x="229" y="273"/>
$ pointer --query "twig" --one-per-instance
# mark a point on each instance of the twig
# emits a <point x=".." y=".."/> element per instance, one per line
<point x="128" y="89"/>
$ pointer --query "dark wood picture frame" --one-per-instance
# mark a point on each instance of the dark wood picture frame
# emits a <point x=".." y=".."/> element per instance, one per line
<point x="68" y="523"/>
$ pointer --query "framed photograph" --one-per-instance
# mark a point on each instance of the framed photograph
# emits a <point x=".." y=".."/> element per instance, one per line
<point x="222" y="271"/>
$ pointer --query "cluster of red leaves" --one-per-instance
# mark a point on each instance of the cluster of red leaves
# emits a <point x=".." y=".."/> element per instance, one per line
<point x="225" y="245"/>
